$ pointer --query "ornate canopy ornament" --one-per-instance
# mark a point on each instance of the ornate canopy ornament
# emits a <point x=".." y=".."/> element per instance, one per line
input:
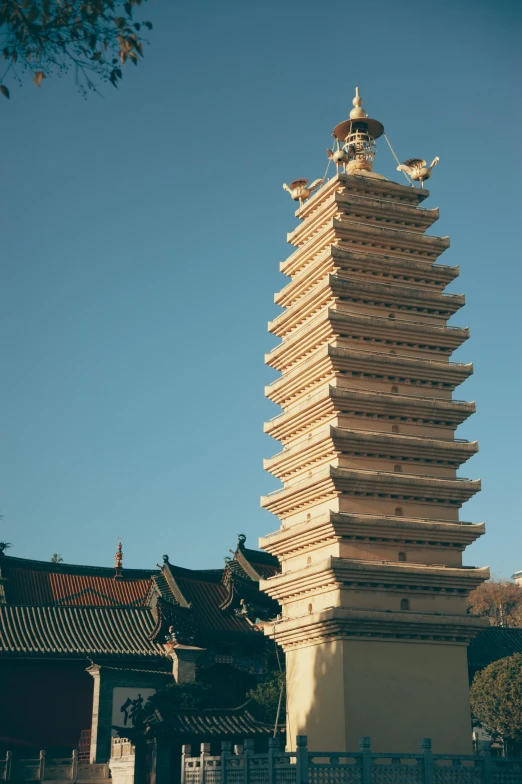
<point x="358" y="135"/>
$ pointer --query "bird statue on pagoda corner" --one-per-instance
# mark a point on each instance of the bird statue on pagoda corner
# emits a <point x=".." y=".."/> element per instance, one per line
<point x="299" y="190"/>
<point x="416" y="168"/>
<point x="342" y="155"/>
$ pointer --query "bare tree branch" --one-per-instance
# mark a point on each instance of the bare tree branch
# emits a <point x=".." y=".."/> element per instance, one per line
<point x="500" y="600"/>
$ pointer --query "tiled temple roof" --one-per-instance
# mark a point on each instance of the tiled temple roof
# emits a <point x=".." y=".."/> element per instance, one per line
<point x="50" y="609"/>
<point x="256" y="564"/>
<point x="203" y="592"/>
<point x="493" y="644"/>
<point x="244" y="597"/>
<point x="209" y="722"/>
<point x="77" y="631"/>
<point x="43" y="583"/>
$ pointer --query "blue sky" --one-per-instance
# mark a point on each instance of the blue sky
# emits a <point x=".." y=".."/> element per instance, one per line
<point x="141" y="238"/>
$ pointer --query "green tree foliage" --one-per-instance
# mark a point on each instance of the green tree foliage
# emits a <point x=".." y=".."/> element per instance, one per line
<point x="266" y="697"/>
<point x="500" y="600"/>
<point x="93" y="37"/>
<point x="186" y="696"/>
<point x="173" y="698"/>
<point x="167" y="702"/>
<point x="496" y="700"/>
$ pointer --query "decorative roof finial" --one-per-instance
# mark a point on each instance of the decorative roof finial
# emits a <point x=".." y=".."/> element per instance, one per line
<point x="165" y="558"/>
<point x="358" y="112"/>
<point x="241" y="539"/>
<point x="119" y="559"/>
<point x="357" y="136"/>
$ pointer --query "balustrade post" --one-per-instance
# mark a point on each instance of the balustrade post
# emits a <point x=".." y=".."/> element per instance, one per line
<point x="248" y="750"/>
<point x="273" y="746"/>
<point x="487" y="761"/>
<point x="427" y="773"/>
<point x="204" y="753"/>
<point x="365" y="745"/>
<point x="8" y="765"/>
<point x="301" y="759"/>
<point x="226" y="750"/>
<point x="41" y="766"/>
<point x="186" y="751"/>
<point x="74" y="765"/>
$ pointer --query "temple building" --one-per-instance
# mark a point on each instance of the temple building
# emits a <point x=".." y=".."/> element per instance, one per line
<point x="373" y="588"/>
<point x="81" y="647"/>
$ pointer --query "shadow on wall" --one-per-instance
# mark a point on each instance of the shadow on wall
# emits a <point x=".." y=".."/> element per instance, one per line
<point x="394" y="691"/>
<point x="315" y="696"/>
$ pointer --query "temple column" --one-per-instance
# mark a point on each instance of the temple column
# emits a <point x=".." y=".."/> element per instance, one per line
<point x="101" y="714"/>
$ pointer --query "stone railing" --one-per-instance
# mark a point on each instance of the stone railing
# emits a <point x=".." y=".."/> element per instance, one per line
<point x="243" y="766"/>
<point x="53" y="769"/>
<point x="123" y="761"/>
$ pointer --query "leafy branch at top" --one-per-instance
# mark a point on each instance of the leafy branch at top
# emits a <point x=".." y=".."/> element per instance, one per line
<point x="93" y="37"/>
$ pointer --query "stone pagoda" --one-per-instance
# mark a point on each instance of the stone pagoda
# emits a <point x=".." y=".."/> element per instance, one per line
<point x="373" y="590"/>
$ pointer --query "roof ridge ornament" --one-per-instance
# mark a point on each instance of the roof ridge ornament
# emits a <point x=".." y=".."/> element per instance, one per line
<point x="118" y="561"/>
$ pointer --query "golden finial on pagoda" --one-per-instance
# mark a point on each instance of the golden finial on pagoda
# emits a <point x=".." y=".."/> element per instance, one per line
<point x="357" y="112"/>
<point x="358" y="135"/>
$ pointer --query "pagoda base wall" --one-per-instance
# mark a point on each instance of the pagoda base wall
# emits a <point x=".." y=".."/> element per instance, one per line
<point x="396" y="692"/>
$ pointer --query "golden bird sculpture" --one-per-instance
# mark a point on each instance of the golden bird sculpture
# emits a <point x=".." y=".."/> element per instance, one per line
<point x="299" y="190"/>
<point x="416" y="168"/>
<point x="342" y="156"/>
